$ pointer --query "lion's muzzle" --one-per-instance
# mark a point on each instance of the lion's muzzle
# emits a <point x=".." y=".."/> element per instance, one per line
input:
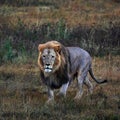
<point x="48" y="68"/>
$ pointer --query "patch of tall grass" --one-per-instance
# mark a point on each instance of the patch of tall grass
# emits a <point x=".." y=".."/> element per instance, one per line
<point x="33" y="2"/>
<point x="21" y="40"/>
<point x="7" y="53"/>
<point x="59" y="31"/>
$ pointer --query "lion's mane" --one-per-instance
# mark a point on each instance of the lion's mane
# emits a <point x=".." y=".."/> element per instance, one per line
<point x="61" y="74"/>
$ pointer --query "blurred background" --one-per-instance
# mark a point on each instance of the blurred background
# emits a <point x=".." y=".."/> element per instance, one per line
<point x="93" y="25"/>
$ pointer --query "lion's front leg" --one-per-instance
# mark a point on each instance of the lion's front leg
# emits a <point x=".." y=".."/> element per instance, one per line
<point x="50" y="96"/>
<point x="63" y="89"/>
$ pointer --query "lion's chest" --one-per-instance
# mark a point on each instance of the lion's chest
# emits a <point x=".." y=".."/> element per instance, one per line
<point x="55" y="81"/>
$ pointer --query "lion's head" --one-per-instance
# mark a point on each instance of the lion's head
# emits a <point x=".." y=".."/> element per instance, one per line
<point x="50" y="56"/>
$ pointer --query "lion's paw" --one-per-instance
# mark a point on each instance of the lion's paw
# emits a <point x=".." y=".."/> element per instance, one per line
<point x="61" y="95"/>
<point x="78" y="96"/>
<point x="50" y="102"/>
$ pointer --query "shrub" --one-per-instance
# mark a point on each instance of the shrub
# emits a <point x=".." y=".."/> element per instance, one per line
<point x="7" y="53"/>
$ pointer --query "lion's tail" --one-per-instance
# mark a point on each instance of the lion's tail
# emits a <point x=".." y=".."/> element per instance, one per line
<point x="98" y="81"/>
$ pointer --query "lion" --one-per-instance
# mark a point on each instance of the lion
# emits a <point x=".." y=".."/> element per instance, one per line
<point x="60" y="65"/>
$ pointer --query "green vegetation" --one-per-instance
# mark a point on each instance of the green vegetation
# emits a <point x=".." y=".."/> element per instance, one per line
<point x="32" y="2"/>
<point x="91" y="25"/>
<point x="23" y="39"/>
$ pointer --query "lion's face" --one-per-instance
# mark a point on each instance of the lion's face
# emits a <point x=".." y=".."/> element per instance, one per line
<point x="49" y="59"/>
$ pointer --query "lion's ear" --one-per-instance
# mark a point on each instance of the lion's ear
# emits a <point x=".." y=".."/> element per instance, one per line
<point x="40" y="47"/>
<point x="57" y="48"/>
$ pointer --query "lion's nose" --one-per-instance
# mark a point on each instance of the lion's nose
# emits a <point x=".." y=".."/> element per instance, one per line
<point x="47" y="64"/>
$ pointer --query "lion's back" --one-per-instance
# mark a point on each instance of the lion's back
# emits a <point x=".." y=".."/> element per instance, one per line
<point x="78" y="57"/>
<point x="78" y="52"/>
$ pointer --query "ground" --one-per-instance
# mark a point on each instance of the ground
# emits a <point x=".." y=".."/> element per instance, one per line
<point x="23" y="96"/>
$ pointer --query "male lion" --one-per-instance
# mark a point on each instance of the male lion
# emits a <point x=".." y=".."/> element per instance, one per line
<point x="59" y="65"/>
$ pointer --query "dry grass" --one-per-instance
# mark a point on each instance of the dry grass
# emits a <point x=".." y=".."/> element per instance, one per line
<point x="96" y="12"/>
<point x="22" y="95"/>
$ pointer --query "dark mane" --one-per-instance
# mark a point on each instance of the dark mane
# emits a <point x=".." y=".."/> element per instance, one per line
<point x="61" y="75"/>
<point x="65" y="60"/>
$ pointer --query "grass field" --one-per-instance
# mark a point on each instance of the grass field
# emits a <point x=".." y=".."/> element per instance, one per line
<point x="75" y="12"/>
<point x="23" y="96"/>
<point x="91" y="24"/>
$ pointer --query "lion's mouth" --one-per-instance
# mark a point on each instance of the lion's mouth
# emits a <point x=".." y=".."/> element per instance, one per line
<point x="48" y="68"/>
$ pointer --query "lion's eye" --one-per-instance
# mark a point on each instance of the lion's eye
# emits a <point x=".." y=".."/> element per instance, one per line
<point x="53" y="56"/>
<point x="43" y="56"/>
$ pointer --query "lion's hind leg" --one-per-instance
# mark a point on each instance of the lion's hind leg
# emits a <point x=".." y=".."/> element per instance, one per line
<point x="89" y="85"/>
<point x="81" y="77"/>
<point x="80" y="87"/>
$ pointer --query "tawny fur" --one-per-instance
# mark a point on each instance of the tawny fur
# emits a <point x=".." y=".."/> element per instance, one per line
<point x="68" y="63"/>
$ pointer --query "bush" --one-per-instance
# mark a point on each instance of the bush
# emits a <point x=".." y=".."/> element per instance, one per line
<point x="24" y="38"/>
<point x="33" y="2"/>
<point x="7" y="52"/>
